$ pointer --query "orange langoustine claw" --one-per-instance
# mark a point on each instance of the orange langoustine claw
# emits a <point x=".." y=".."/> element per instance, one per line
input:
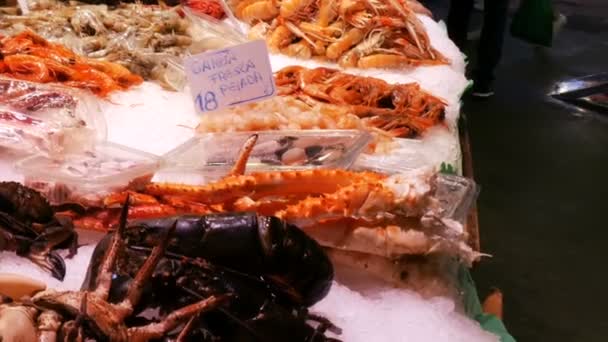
<point x="29" y="57"/>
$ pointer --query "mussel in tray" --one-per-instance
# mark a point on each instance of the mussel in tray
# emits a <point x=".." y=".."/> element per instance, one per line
<point x="296" y="151"/>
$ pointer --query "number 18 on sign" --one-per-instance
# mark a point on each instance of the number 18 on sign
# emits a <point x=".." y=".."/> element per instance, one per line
<point x="229" y="77"/>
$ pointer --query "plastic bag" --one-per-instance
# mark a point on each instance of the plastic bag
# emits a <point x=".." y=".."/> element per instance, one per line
<point x="87" y="177"/>
<point x="45" y="119"/>
<point x="533" y="22"/>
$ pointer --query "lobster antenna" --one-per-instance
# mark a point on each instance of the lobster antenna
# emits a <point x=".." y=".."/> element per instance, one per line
<point x="241" y="162"/>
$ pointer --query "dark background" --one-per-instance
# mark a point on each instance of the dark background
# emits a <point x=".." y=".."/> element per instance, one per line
<point x="543" y="169"/>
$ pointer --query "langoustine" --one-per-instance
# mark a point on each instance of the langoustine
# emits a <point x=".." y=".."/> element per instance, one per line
<point x="324" y="98"/>
<point x="354" y="33"/>
<point x="402" y="110"/>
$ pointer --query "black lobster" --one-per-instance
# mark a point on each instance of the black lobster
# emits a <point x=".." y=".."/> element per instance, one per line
<point x="272" y="271"/>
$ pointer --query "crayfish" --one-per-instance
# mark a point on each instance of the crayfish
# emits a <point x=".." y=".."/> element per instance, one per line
<point x="30" y="227"/>
<point x="271" y="270"/>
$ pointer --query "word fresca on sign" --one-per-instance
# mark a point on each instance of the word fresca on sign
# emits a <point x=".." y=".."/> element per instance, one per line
<point x="232" y="76"/>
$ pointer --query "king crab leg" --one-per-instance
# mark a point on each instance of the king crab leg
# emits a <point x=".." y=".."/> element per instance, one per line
<point x="183" y="335"/>
<point x="104" y="281"/>
<point x="144" y="273"/>
<point x="157" y="330"/>
<point x="241" y="163"/>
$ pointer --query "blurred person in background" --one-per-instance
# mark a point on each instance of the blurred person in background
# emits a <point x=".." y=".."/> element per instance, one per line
<point x="491" y="41"/>
<point x="489" y="51"/>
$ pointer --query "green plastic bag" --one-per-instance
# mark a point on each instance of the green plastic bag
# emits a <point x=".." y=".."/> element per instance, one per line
<point x="472" y="307"/>
<point x="533" y="22"/>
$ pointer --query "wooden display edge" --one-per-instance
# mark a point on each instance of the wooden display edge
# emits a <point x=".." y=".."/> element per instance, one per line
<point x="472" y="224"/>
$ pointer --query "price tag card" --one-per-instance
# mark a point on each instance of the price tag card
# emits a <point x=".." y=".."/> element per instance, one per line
<point x="229" y="77"/>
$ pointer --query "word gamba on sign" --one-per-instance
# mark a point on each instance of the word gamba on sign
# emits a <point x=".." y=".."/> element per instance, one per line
<point x="229" y="77"/>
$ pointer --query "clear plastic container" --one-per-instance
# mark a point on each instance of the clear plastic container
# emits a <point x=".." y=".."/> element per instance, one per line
<point x="456" y="194"/>
<point x="87" y="178"/>
<point x="216" y="153"/>
<point x="48" y="119"/>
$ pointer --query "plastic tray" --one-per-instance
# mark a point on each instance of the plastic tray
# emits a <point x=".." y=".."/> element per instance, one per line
<point x="47" y="119"/>
<point x="87" y="177"/>
<point x="455" y="194"/>
<point x="215" y="153"/>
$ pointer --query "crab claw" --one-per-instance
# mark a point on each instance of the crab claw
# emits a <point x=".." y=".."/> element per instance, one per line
<point x="51" y="262"/>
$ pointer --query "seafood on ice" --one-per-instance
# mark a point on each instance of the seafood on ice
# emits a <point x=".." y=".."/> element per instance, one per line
<point x="257" y="291"/>
<point x="46" y="119"/>
<point x="402" y="110"/>
<point x="363" y="211"/>
<point x="323" y="98"/>
<point x="147" y="40"/>
<point x="27" y="56"/>
<point x="354" y="33"/>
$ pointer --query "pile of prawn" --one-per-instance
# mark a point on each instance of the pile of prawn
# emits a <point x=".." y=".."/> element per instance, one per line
<point x="212" y="8"/>
<point x="401" y="110"/>
<point x="27" y="56"/>
<point x="355" y="33"/>
<point x="148" y="40"/>
<point x="323" y="98"/>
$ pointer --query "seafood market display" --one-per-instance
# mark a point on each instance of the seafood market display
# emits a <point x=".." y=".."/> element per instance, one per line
<point x="147" y="40"/>
<point x="27" y="56"/>
<point x="354" y="33"/>
<point x="323" y="98"/>
<point x="361" y="211"/>
<point x="85" y="178"/>
<point x="260" y="290"/>
<point x="318" y="214"/>
<point x="45" y="119"/>
<point x="402" y="110"/>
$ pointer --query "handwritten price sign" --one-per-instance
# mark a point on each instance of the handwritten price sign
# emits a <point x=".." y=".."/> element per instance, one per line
<point x="229" y="77"/>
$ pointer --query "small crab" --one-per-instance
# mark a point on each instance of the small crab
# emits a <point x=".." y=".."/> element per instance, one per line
<point x="30" y="227"/>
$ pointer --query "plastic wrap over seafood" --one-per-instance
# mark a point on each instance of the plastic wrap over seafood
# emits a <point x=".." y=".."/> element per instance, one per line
<point x="354" y="33"/>
<point x="46" y="119"/>
<point x="85" y="178"/>
<point x="216" y="153"/>
<point x="360" y="211"/>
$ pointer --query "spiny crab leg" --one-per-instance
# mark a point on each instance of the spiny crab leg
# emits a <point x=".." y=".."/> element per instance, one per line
<point x="144" y="273"/>
<point x="241" y="163"/>
<point x="258" y="185"/>
<point x="183" y="335"/>
<point x="408" y="196"/>
<point x="157" y="330"/>
<point x="104" y="282"/>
